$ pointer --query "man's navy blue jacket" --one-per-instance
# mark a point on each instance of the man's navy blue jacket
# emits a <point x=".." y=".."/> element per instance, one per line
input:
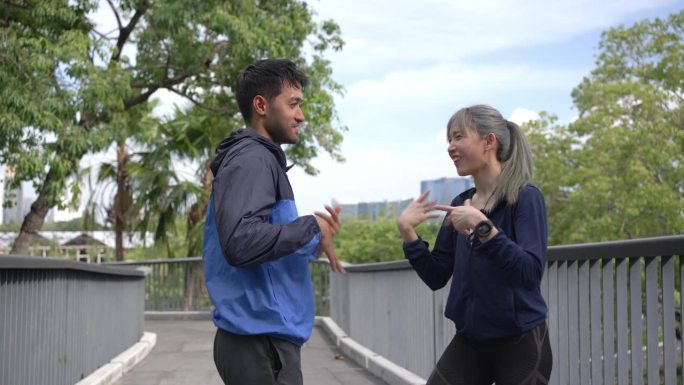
<point x="257" y="249"/>
<point x="495" y="287"/>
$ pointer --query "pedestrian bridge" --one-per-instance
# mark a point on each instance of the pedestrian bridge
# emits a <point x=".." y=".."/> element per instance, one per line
<point x="182" y="355"/>
<point x="614" y="318"/>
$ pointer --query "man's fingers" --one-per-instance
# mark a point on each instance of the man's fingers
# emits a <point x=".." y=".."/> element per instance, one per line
<point x="467" y="202"/>
<point x="333" y="225"/>
<point x="340" y="267"/>
<point x="335" y="263"/>
<point x="334" y="213"/>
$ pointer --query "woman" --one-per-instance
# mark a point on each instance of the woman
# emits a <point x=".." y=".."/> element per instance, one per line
<point x="493" y="247"/>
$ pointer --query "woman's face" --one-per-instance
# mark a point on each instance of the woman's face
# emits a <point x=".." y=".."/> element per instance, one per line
<point x="466" y="149"/>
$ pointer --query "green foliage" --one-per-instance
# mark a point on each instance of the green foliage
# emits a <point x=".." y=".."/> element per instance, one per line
<point x="617" y="171"/>
<point x="631" y="165"/>
<point x="156" y="251"/>
<point x="553" y="148"/>
<point x="10" y="227"/>
<point x="365" y="241"/>
<point x="77" y="224"/>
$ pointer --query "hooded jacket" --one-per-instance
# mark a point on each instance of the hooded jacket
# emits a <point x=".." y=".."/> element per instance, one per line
<point x="256" y="248"/>
<point x="495" y="286"/>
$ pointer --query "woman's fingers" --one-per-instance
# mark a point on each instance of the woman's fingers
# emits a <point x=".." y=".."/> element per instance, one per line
<point x="445" y="208"/>
<point x="422" y="196"/>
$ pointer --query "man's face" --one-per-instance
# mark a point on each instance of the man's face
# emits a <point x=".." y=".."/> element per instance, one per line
<point x="284" y="115"/>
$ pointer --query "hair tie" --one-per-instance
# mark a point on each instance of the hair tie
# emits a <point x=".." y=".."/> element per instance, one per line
<point x="511" y="138"/>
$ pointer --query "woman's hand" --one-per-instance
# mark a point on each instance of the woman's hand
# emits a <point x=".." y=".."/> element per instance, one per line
<point x="462" y="218"/>
<point x="416" y="213"/>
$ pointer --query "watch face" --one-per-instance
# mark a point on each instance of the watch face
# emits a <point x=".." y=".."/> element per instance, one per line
<point x="483" y="228"/>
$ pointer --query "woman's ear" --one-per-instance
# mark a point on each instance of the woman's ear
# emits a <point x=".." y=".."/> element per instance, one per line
<point x="491" y="141"/>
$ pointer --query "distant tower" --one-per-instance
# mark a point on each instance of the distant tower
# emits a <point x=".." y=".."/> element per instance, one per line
<point x="444" y="190"/>
<point x="373" y="210"/>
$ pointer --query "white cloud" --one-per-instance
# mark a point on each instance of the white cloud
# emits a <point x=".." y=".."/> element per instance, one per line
<point x="522" y="115"/>
<point x="406" y="34"/>
<point x="434" y="84"/>
<point x="167" y="101"/>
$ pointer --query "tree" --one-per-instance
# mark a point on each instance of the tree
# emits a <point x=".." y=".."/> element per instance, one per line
<point x="617" y="171"/>
<point x="85" y="86"/>
<point x="554" y="149"/>
<point x="631" y="163"/>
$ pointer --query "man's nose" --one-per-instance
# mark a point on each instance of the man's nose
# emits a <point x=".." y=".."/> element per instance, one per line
<point x="299" y="116"/>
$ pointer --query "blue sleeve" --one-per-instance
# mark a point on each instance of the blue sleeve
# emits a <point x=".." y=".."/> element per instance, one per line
<point x="523" y="260"/>
<point x="245" y="193"/>
<point x="434" y="268"/>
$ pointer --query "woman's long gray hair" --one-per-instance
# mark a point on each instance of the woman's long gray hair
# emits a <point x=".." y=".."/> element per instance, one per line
<point x="513" y="152"/>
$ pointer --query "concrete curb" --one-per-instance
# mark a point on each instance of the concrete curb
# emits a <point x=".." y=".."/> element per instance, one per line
<point x="178" y="315"/>
<point x="111" y="372"/>
<point x="371" y="361"/>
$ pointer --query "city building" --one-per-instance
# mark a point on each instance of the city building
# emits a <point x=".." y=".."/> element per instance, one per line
<point x="373" y="210"/>
<point x="443" y="190"/>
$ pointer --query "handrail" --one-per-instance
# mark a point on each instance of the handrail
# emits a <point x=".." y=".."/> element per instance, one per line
<point x="30" y="262"/>
<point x="630" y="248"/>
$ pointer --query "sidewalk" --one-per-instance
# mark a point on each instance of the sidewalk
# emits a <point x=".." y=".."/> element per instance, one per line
<point x="183" y="356"/>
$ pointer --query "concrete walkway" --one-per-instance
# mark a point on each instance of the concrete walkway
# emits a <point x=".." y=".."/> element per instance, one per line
<point x="183" y="356"/>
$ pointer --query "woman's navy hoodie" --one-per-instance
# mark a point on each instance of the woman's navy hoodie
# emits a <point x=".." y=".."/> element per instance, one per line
<point x="495" y="286"/>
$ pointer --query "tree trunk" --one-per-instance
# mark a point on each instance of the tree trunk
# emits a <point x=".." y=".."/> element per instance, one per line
<point x="122" y="200"/>
<point x="33" y="221"/>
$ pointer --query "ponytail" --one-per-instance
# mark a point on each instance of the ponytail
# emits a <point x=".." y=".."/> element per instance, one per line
<point x="516" y="170"/>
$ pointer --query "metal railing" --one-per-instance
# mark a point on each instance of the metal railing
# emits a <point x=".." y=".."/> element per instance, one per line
<point x="605" y="301"/>
<point x="178" y="284"/>
<point x="60" y="320"/>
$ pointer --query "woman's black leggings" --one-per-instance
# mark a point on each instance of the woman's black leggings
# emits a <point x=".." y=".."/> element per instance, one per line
<point x="520" y="360"/>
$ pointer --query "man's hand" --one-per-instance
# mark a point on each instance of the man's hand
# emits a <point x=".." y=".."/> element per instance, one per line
<point x="329" y="225"/>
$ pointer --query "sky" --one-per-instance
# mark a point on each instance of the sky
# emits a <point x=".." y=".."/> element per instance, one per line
<point x="408" y="66"/>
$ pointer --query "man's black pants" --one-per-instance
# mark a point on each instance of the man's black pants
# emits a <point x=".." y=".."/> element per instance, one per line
<point x="256" y="360"/>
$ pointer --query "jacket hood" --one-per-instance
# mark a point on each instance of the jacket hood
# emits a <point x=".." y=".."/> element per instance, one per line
<point x="243" y="138"/>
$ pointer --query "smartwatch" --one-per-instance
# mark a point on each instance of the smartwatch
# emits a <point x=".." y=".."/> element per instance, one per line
<point x="483" y="229"/>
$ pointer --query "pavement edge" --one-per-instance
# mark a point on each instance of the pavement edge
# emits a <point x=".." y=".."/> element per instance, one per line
<point x="112" y="371"/>
<point x="380" y="366"/>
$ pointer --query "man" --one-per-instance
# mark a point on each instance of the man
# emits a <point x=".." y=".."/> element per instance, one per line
<point x="256" y="248"/>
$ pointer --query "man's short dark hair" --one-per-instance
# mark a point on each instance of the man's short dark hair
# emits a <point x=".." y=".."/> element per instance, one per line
<point x="266" y="78"/>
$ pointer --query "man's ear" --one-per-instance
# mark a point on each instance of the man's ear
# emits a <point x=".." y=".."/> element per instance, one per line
<point x="259" y="104"/>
